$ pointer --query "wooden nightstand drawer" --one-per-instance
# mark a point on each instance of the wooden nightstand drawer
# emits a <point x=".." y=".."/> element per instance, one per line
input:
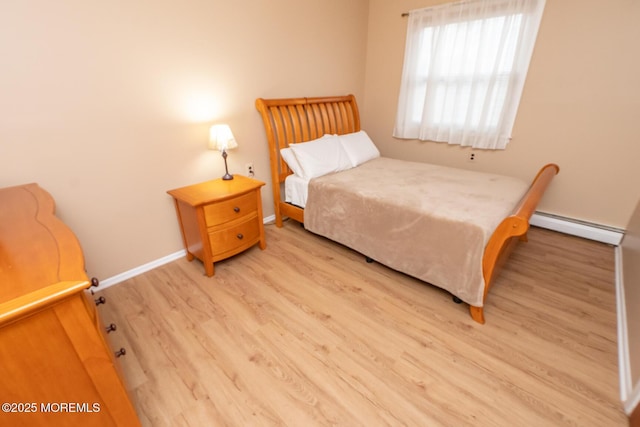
<point x="227" y="241"/>
<point x="219" y="213"/>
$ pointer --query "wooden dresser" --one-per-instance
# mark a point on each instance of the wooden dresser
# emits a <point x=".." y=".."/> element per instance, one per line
<point x="56" y="366"/>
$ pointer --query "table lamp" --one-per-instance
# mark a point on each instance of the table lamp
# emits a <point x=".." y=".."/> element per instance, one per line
<point x="221" y="139"/>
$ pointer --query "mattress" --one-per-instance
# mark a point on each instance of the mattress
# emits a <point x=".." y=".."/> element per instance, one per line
<point x="296" y="190"/>
<point x="431" y="222"/>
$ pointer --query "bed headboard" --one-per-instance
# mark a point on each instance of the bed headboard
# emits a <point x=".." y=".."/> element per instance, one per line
<point x="295" y="120"/>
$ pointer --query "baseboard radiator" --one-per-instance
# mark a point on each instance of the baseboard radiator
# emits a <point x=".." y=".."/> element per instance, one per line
<point x="574" y="227"/>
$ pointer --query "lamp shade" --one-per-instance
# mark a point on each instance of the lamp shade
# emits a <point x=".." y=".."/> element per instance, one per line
<point x="221" y="138"/>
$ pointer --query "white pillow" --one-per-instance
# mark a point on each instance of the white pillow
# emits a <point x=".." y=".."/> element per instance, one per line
<point x="290" y="158"/>
<point x="359" y="147"/>
<point x="321" y="156"/>
<point x="291" y="161"/>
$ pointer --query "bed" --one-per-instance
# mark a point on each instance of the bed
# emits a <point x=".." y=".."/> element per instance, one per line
<point x="449" y="227"/>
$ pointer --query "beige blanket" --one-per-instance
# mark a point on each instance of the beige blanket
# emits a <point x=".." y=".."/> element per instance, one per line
<point x="428" y="221"/>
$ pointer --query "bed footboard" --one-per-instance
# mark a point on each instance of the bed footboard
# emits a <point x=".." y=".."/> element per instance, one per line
<point x="512" y="228"/>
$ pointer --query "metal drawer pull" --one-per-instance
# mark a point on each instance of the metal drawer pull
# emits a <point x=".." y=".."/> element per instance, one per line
<point x="111" y="328"/>
<point x="101" y="300"/>
<point x="120" y="352"/>
<point x="240" y="236"/>
<point x="236" y="209"/>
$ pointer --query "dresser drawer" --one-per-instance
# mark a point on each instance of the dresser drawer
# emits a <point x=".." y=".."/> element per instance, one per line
<point x="228" y="210"/>
<point x="235" y="238"/>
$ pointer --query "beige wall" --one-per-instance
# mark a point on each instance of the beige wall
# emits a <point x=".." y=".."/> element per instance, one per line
<point x="107" y="104"/>
<point x="580" y="107"/>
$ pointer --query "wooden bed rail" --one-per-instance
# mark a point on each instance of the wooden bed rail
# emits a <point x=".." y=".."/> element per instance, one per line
<point x="502" y="241"/>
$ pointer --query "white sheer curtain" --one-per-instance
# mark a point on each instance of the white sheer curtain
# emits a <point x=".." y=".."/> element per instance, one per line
<point x="464" y="69"/>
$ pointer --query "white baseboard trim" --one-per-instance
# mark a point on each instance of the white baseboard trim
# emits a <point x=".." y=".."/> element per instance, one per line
<point x="597" y="232"/>
<point x="539" y="219"/>
<point x="623" y="342"/>
<point x="633" y="401"/>
<point x="114" y="280"/>
<point x="564" y="225"/>
<point x="629" y="394"/>
<point x="551" y="222"/>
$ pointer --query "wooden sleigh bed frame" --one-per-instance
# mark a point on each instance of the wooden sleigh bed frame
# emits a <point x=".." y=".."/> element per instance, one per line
<point x="296" y="120"/>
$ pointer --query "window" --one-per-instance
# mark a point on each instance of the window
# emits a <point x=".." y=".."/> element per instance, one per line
<point x="464" y="70"/>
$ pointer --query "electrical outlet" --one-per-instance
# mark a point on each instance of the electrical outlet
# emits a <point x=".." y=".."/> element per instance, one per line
<point x="473" y="157"/>
<point x="250" y="170"/>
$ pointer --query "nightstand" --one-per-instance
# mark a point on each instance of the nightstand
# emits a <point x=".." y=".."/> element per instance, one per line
<point x="219" y="218"/>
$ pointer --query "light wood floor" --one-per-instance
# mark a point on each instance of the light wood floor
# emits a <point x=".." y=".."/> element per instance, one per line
<point x="306" y="333"/>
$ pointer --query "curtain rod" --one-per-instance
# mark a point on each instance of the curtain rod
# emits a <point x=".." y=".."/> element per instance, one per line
<point x="405" y="14"/>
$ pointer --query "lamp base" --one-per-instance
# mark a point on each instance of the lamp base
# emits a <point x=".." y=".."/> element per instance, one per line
<point x="227" y="176"/>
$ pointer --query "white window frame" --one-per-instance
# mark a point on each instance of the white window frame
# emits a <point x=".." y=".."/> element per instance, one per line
<point x="453" y="54"/>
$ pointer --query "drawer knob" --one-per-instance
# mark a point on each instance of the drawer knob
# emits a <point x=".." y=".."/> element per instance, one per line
<point x="120" y="352"/>
<point x="236" y="209"/>
<point x="94" y="283"/>
<point x="100" y="300"/>
<point x="240" y="236"/>
<point x="111" y="328"/>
